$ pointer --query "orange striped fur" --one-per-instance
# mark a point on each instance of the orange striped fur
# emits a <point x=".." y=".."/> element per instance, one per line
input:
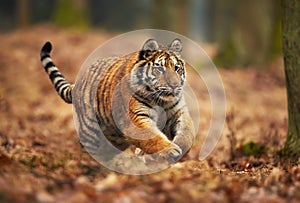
<point x="139" y="99"/>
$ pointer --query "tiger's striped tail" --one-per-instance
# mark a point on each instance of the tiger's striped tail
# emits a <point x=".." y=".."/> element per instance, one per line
<point x="62" y="86"/>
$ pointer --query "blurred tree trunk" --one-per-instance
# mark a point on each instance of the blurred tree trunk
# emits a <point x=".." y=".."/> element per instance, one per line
<point x="22" y="12"/>
<point x="291" y="51"/>
<point x="181" y="16"/>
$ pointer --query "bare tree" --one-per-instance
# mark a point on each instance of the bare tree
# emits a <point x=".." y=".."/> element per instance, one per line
<point x="291" y="51"/>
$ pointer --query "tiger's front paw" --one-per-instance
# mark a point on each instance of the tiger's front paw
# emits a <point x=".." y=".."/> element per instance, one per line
<point x="171" y="154"/>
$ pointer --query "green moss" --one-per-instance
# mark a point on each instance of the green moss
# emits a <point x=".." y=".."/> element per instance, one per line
<point x="68" y="14"/>
<point x="253" y="149"/>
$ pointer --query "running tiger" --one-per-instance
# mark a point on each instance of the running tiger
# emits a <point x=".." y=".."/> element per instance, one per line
<point x="151" y="111"/>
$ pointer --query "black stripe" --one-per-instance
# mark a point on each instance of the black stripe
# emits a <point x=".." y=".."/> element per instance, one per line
<point x="69" y="97"/>
<point x="92" y="150"/>
<point x="44" y="55"/>
<point x="177" y="112"/>
<point x="61" y="90"/>
<point x="138" y="113"/>
<point x="141" y="63"/>
<point x="148" y="88"/>
<point x="173" y="105"/>
<point x="141" y="101"/>
<point x="143" y="115"/>
<point x="89" y="138"/>
<point x="49" y="65"/>
<point x="60" y="82"/>
<point x="55" y="74"/>
<point x="141" y="55"/>
<point x="89" y="128"/>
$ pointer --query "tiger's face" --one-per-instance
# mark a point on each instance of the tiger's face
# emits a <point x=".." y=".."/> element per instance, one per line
<point x="160" y="73"/>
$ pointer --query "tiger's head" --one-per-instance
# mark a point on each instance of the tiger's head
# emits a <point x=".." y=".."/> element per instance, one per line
<point x="160" y="73"/>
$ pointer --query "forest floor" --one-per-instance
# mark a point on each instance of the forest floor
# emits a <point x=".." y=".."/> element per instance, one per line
<point x="41" y="159"/>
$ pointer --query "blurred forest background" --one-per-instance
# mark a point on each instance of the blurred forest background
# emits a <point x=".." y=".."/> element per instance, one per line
<point x="41" y="159"/>
<point x="247" y="32"/>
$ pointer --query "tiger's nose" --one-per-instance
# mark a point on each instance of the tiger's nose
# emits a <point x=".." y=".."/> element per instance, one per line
<point x="173" y="85"/>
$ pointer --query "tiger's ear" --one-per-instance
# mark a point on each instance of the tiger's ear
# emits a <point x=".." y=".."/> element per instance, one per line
<point x="150" y="45"/>
<point x="176" y="46"/>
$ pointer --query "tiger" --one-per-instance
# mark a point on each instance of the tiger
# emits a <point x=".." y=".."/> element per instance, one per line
<point x="152" y="94"/>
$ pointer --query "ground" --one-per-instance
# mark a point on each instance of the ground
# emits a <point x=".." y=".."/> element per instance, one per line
<point x="41" y="159"/>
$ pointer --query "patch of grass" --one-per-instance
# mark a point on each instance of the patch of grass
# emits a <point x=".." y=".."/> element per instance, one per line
<point x="229" y="55"/>
<point x="253" y="149"/>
